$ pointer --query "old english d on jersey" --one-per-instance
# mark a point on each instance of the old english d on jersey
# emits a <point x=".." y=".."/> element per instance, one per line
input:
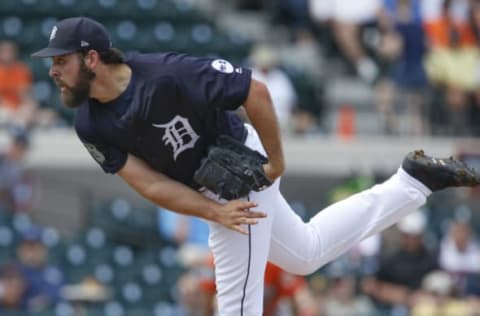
<point x="173" y="108"/>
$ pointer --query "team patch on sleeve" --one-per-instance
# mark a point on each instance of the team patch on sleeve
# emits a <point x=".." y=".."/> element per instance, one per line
<point x="222" y="65"/>
<point x="96" y="154"/>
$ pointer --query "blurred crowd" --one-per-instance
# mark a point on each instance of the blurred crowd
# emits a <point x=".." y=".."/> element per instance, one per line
<point x="417" y="59"/>
<point x="427" y="265"/>
<point x="420" y="57"/>
<point x="18" y="106"/>
<point x="412" y="268"/>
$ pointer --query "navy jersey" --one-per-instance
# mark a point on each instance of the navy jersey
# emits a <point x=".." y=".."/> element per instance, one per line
<point x="173" y="108"/>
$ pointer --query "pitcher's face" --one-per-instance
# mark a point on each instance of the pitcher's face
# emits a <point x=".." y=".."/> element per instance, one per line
<point x="72" y="77"/>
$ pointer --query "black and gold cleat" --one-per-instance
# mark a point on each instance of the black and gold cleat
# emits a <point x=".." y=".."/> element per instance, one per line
<point x="440" y="173"/>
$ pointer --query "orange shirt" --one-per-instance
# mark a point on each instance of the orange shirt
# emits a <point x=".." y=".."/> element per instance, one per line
<point x="279" y="284"/>
<point x="439" y="33"/>
<point x="14" y="81"/>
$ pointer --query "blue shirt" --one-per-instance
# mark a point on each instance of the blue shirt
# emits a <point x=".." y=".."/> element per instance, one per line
<point x="409" y="72"/>
<point x="173" y="108"/>
<point x="169" y="222"/>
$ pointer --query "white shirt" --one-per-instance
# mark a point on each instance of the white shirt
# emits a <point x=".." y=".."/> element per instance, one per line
<point x="281" y="90"/>
<point x="452" y="260"/>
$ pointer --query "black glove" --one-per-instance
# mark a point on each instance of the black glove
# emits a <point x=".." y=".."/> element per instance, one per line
<point x="232" y="170"/>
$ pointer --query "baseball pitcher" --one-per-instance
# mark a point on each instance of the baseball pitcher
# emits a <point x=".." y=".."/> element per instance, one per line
<point x="163" y="123"/>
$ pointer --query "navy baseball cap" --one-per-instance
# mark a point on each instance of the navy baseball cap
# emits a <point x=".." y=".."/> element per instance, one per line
<point x="76" y="34"/>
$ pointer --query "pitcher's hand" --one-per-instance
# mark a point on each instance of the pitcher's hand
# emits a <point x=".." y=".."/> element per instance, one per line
<point x="234" y="214"/>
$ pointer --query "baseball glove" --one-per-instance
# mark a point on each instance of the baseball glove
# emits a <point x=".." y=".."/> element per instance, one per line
<point x="232" y="170"/>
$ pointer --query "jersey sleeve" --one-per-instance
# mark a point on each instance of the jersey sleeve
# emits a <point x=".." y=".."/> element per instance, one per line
<point x="110" y="158"/>
<point x="214" y="83"/>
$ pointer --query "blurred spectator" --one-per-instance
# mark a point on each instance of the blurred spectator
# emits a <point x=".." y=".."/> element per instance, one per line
<point x="88" y="290"/>
<point x="188" y="233"/>
<point x="86" y="295"/>
<point x="266" y="69"/>
<point x="12" y="289"/>
<point x="16" y="102"/>
<point x="347" y="18"/>
<point x="15" y="188"/>
<point x="437" y="299"/>
<point x="400" y="274"/>
<point x="460" y="251"/>
<point x="191" y="235"/>
<point x="290" y="291"/>
<point x="402" y="89"/>
<point x="180" y="229"/>
<point x="283" y="292"/>
<point x="191" y="300"/>
<point x="460" y="257"/>
<point x="293" y="13"/>
<point x="475" y="18"/>
<point x="342" y="299"/>
<point x="475" y="110"/>
<point x="452" y="60"/>
<point x="43" y="281"/>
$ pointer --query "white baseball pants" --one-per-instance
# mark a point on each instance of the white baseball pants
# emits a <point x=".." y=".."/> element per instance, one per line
<point x="298" y="247"/>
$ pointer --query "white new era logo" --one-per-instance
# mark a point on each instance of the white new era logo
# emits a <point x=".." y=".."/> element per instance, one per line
<point x="54" y="33"/>
<point x="84" y="44"/>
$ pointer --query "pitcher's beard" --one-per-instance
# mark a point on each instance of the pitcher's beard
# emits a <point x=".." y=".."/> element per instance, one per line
<point x="75" y="96"/>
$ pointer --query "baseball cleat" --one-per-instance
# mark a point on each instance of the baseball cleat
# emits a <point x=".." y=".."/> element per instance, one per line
<point x="439" y="173"/>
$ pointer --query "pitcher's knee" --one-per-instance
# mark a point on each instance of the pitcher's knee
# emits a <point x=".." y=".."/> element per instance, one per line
<point x="303" y="268"/>
<point x="309" y="269"/>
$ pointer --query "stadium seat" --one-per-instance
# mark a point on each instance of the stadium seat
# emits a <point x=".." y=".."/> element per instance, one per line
<point x="106" y="9"/>
<point x="42" y="91"/>
<point x="6" y="6"/>
<point x="114" y="308"/>
<point x="105" y="273"/>
<point x="5" y="216"/>
<point x="139" y="311"/>
<point x="28" y="8"/>
<point x="125" y="275"/>
<point x="95" y="311"/>
<point x="132" y="294"/>
<point x="154" y="9"/>
<point x="38" y="67"/>
<point x="11" y="27"/>
<point x="21" y="222"/>
<point x="8" y="242"/>
<point x="76" y="265"/>
<point x="120" y="209"/>
<point x="32" y="34"/>
<point x="163" y="309"/>
<point x="122" y="256"/>
<point x="51" y="239"/>
<point x="152" y="280"/>
<point x="95" y="238"/>
<point x="67" y="8"/>
<point x="126" y="269"/>
<point x="164" y="35"/>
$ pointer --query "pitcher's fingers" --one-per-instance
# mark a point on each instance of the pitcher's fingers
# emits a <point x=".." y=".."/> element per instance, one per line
<point x="245" y="221"/>
<point x="250" y="221"/>
<point x="247" y="204"/>
<point x="256" y="214"/>
<point x="240" y="229"/>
